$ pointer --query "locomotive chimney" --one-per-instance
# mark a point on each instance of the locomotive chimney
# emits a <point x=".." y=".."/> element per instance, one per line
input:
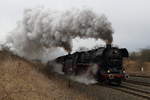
<point x="108" y="43"/>
<point x="69" y="53"/>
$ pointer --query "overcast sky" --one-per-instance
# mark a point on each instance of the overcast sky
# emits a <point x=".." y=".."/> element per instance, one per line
<point x="130" y="18"/>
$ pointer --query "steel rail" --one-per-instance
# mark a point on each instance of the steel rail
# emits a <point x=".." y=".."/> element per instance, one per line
<point x="138" y="82"/>
<point x="133" y="91"/>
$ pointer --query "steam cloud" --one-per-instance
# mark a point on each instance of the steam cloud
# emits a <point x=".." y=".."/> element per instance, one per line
<point x="88" y="76"/>
<point x="42" y="29"/>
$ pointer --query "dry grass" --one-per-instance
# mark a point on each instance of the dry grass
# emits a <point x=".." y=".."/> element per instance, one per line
<point x="136" y="67"/>
<point x="23" y="80"/>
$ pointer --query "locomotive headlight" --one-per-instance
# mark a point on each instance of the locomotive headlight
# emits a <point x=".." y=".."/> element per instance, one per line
<point x="124" y="71"/>
<point x="108" y="71"/>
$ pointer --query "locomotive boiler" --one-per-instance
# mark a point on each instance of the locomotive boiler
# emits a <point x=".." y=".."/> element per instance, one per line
<point x="108" y="59"/>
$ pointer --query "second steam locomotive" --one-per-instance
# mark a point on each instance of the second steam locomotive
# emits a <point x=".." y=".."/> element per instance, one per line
<point x="108" y="59"/>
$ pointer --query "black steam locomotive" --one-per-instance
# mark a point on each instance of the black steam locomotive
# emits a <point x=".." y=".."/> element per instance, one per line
<point x="108" y="59"/>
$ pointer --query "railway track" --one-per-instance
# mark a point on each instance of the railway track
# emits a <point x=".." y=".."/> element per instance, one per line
<point x="139" y="80"/>
<point x="143" y="76"/>
<point x="138" y="83"/>
<point x="133" y="89"/>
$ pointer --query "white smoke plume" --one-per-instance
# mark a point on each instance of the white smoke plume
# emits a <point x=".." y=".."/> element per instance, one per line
<point x="55" y="67"/>
<point x="87" y="77"/>
<point x="80" y="49"/>
<point x="42" y="29"/>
